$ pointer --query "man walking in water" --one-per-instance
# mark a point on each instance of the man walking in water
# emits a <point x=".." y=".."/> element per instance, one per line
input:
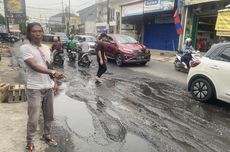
<point x="41" y="85"/>
<point x="101" y="58"/>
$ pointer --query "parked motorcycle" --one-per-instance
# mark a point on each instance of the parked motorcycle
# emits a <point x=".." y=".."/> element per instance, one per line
<point x="72" y="54"/>
<point x="58" y="58"/>
<point x="179" y="66"/>
<point x="84" y="59"/>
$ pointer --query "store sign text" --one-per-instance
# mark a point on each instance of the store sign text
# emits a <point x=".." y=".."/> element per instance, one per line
<point x="192" y="2"/>
<point x="223" y="23"/>
<point x="147" y="7"/>
<point x="151" y="2"/>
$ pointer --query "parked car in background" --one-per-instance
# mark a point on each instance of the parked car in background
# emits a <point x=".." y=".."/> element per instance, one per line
<point x="62" y="36"/>
<point x="91" y="40"/>
<point x="208" y="77"/>
<point x="125" y="49"/>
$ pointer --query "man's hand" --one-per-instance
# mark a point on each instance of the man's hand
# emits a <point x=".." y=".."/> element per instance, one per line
<point x="101" y="62"/>
<point x="59" y="75"/>
<point x="56" y="89"/>
<point x="106" y="60"/>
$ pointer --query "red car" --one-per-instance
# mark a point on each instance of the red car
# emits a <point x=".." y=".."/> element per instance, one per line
<point x="125" y="49"/>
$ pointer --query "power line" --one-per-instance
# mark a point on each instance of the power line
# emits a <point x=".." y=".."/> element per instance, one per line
<point x="42" y="8"/>
<point x="87" y="2"/>
<point x="44" y="19"/>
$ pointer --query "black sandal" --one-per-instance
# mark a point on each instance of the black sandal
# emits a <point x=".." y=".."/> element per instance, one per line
<point x="30" y="148"/>
<point x="49" y="140"/>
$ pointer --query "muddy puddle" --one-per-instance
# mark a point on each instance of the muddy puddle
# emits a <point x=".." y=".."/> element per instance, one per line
<point x="93" y="125"/>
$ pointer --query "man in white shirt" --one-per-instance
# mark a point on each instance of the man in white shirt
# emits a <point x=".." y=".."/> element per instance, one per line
<point x="84" y="45"/>
<point x="41" y="85"/>
<point x="84" y="48"/>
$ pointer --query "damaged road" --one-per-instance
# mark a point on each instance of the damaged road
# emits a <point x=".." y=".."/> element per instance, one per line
<point x="134" y="109"/>
<point x="129" y="112"/>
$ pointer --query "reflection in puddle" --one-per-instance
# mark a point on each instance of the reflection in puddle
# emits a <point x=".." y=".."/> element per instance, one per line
<point x="119" y="105"/>
<point x="136" y="144"/>
<point x="78" y="117"/>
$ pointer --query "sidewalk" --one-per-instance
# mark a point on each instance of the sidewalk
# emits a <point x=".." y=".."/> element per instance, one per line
<point x="162" y="55"/>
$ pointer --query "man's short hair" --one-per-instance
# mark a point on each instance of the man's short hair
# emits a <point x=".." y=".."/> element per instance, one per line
<point x="102" y="35"/>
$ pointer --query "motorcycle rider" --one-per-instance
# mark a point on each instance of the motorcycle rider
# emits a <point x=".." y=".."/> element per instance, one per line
<point x="71" y="44"/>
<point x="56" y="47"/>
<point x="187" y="49"/>
<point x="57" y="44"/>
<point x="84" y="48"/>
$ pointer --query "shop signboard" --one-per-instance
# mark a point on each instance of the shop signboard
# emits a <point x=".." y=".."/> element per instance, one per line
<point x="193" y="2"/>
<point x="132" y="9"/>
<point x="15" y="8"/>
<point x="127" y="27"/>
<point x="101" y="29"/>
<point x="14" y="28"/>
<point x="158" y="5"/>
<point x="223" y="23"/>
<point x="163" y="19"/>
<point x="147" y="6"/>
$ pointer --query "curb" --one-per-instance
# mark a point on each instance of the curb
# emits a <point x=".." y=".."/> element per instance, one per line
<point x="163" y="56"/>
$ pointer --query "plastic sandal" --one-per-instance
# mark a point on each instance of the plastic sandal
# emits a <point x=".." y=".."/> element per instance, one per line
<point x="30" y="148"/>
<point x="50" y="141"/>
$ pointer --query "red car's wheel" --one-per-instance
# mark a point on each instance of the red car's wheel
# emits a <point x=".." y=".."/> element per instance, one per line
<point x="119" y="60"/>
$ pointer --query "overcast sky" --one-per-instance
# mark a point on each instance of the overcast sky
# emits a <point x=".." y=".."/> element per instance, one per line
<point x="47" y="8"/>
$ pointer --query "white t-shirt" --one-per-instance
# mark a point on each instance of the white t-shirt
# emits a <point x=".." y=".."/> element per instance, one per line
<point x="36" y="80"/>
<point x="85" y="46"/>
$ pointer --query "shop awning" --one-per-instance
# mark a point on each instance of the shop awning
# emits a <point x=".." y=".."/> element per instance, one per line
<point x="193" y="2"/>
<point x="223" y="22"/>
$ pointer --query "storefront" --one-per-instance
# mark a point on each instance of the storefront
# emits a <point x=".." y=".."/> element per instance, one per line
<point x="132" y="20"/>
<point x="153" y="21"/>
<point x="160" y="32"/>
<point x="201" y="21"/>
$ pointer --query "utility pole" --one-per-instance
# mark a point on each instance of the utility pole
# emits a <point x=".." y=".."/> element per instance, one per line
<point x="68" y="22"/>
<point x="108" y="16"/>
<point x="69" y="10"/>
<point x="40" y="18"/>
<point x="63" y="17"/>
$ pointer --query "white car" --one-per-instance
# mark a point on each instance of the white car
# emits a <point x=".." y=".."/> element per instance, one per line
<point x="91" y="40"/>
<point x="209" y="77"/>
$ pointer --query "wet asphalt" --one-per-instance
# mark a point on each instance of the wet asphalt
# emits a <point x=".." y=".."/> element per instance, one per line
<point x="134" y="112"/>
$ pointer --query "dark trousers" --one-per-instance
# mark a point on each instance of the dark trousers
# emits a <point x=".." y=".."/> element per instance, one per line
<point x="101" y="69"/>
<point x="187" y="57"/>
